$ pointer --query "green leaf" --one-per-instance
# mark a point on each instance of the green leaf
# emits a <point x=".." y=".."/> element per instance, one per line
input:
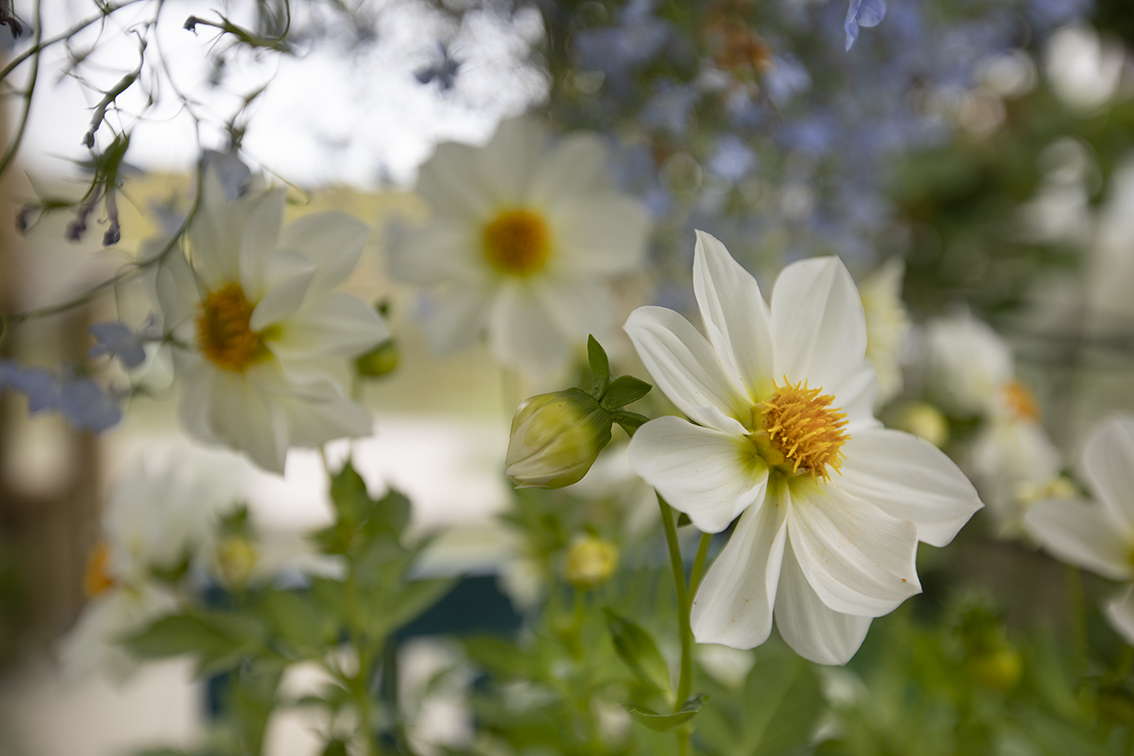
<point x="389" y="515"/>
<point x="335" y="748"/>
<point x="637" y="648"/>
<point x="218" y="640"/>
<point x="625" y="390"/>
<point x="349" y="496"/>
<point x="295" y="620"/>
<point x="498" y="657"/>
<point x="413" y="600"/>
<point x="663" y="722"/>
<point x="600" y="368"/>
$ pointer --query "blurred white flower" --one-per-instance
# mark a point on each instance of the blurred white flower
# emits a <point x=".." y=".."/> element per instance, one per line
<point x="523" y="237"/>
<point x="831" y="505"/>
<point x="973" y="374"/>
<point x="255" y="317"/>
<point x="887" y="325"/>
<point x="1084" y="68"/>
<point x="157" y="523"/>
<point x="1098" y="536"/>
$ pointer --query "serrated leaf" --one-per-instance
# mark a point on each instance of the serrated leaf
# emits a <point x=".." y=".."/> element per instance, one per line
<point x="637" y="648"/>
<point x="663" y="722"/>
<point x="217" y="640"/>
<point x="625" y="390"/>
<point x="600" y="368"/>
<point x="294" y="619"/>
<point x="349" y="496"/>
<point x="629" y="421"/>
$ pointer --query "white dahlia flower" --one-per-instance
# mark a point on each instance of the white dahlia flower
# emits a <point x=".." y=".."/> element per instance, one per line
<point x="254" y="318"/>
<point x="523" y="237"/>
<point x="831" y="504"/>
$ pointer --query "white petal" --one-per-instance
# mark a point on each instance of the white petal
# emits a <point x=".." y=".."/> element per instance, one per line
<point x="509" y="160"/>
<point x="709" y="475"/>
<point x="818" y="323"/>
<point x="259" y="235"/>
<point x="453" y="184"/>
<point x="458" y="316"/>
<point x="441" y="251"/>
<point x="521" y="331"/>
<point x="859" y="559"/>
<point x="856" y="397"/>
<point x="687" y="370"/>
<point x="335" y="324"/>
<point x="246" y="419"/>
<point x="176" y="289"/>
<point x="314" y="420"/>
<point x="578" y="306"/>
<point x="909" y="479"/>
<point x="332" y="241"/>
<point x="733" y="606"/>
<point x="281" y="300"/>
<point x="196" y="376"/>
<point x="598" y="234"/>
<point x="735" y="315"/>
<point x="1120" y="613"/>
<point x="812" y="629"/>
<point x="1083" y="535"/>
<point x="213" y="235"/>
<point x="1109" y="462"/>
<point x="575" y="165"/>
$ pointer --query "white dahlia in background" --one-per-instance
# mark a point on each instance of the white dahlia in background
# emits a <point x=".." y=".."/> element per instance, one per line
<point x="972" y="373"/>
<point x="887" y="325"/>
<point x="254" y="319"/>
<point x="831" y="504"/>
<point x="523" y="237"/>
<point x="156" y="525"/>
<point x="1098" y="536"/>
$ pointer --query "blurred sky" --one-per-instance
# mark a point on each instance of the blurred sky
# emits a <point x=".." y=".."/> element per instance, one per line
<point x="347" y="110"/>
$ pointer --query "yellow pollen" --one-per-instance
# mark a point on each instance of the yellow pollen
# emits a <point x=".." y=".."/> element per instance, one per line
<point x="517" y="242"/>
<point x="1021" y="401"/>
<point x="803" y="427"/>
<point x="224" y="333"/>
<point x="97" y="579"/>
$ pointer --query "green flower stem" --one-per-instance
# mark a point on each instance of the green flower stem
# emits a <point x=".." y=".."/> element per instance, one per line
<point x="685" y="681"/>
<point x="359" y="682"/>
<point x="699" y="563"/>
<point x="1079" y="615"/>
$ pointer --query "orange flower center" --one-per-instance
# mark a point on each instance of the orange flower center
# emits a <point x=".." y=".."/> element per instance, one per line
<point x="802" y="426"/>
<point x="517" y="242"/>
<point x="223" y="331"/>
<point x="97" y="579"/>
<point x="1020" y="400"/>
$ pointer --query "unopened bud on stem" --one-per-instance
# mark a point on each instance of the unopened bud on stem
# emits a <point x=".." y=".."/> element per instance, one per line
<point x="556" y="438"/>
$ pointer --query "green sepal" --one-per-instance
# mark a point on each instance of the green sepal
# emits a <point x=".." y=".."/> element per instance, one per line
<point x="636" y="647"/>
<point x="625" y="389"/>
<point x="664" y="722"/>
<point x="600" y="368"/>
<point x="630" y="421"/>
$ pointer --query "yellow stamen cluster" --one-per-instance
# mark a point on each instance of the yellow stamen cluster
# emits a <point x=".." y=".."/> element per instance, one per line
<point x="802" y="426"/>
<point x="97" y="579"/>
<point x="1020" y="401"/>
<point x="223" y="331"/>
<point x="517" y="242"/>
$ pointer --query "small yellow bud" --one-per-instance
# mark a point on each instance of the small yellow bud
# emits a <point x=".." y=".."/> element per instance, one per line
<point x="590" y="562"/>
<point x="555" y="439"/>
<point x="998" y="668"/>
<point x="234" y="559"/>
<point x="924" y="421"/>
<point x="380" y="361"/>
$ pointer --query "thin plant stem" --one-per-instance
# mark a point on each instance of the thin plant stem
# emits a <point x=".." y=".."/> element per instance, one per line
<point x="685" y="680"/>
<point x="28" y="94"/>
<point x="1079" y="612"/>
<point x="699" y="563"/>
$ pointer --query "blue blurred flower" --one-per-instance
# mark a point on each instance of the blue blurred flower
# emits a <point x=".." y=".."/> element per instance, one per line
<point x="670" y="107"/>
<point x="117" y="340"/>
<point x="787" y="77"/>
<point x="84" y="403"/>
<point x="862" y="13"/>
<point x="618" y="51"/>
<point x="732" y="160"/>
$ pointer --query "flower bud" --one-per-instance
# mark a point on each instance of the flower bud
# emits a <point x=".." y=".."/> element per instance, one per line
<point x="590" y="562"/>
<point x="924" y="421"/>
<point x="380" y="361"/>
<point x="997" y="668"/>
<point x="234" y="559"/>
<point x="555" y="439"/>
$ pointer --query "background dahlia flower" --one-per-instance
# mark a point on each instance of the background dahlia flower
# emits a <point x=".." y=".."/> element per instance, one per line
<point x="831" y="504"/>
<point x="524" y="234"/>
<point x="254" y="318"/>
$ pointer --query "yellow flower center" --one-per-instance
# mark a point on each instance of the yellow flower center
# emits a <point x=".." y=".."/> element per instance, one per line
<point x="799" y="430"/>
<point x="97" y="580"/>
<point x="517" y="242"/>
<point x="1020" y="401"/>
<point x="223" y="331"/>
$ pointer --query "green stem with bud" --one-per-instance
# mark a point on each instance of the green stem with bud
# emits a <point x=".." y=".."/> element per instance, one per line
<point x="685" y="681"/>
<point x="699" y="563"/>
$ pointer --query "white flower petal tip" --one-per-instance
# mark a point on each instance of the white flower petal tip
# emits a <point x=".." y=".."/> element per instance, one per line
<point x="1120" y="614"/>
<point x="524" y="237"/>
<point x="1108" y="460"/>
<point x="1084" y="535"/>
<point x="256" y="311"/>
